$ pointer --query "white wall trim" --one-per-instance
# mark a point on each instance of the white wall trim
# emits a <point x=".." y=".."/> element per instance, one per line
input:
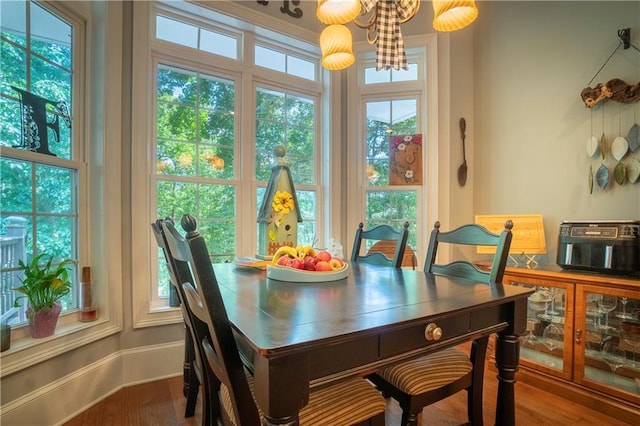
<point x="52" y="404"/>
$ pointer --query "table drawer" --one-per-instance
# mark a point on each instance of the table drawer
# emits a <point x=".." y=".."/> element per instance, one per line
<point x="412" y="337"/>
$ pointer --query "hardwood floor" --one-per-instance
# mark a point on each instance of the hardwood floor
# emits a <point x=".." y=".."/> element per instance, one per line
<point x="161" y="403"/>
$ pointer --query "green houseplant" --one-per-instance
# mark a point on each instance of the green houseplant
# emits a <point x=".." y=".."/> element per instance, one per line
<point x="43" y="285"/>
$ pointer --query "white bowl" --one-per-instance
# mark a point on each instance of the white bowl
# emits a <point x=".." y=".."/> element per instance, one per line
<point x="284" y="273"/>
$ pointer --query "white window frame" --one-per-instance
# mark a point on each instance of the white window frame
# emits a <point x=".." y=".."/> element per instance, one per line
<point x="421" y="50"/>
<point x="146" y="51"/>
<point x="97" y="122"/>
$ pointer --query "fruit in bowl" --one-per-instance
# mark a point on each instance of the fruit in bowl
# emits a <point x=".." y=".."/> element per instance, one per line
<point x="306" y="258"/>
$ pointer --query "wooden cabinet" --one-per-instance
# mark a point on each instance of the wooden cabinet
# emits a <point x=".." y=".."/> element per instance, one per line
<point x="582" y="338"/>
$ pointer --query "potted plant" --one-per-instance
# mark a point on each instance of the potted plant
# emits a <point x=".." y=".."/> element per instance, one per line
<point x="43" y="286"/>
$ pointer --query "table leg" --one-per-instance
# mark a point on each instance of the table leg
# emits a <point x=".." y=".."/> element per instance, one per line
<point x="507" y="357"/>
<point x="281" y="388"/>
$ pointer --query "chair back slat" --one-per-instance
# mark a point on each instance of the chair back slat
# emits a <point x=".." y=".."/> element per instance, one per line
<point x="219" y="344"/>
<point x="380" y="233"/>
<point x="470" y="235"/>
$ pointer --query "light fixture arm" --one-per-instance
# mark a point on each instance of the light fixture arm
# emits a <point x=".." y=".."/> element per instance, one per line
<point x="371" y="24"/>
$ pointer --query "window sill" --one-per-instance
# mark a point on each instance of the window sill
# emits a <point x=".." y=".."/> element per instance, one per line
<point x="26" y="351"/>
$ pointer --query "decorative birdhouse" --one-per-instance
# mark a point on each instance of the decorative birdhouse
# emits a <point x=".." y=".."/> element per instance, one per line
<point x="279" y="213"/>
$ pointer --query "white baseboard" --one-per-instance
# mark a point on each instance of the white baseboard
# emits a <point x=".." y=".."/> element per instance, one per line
<point x="67" y="397"/>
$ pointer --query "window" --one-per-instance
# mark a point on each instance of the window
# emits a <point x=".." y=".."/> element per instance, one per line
<point x="216" y="119"/>
<point x="195" y="128"/>
<point x="40" y="169"/>
<point x="392" y="108"/>
<point x="289" y="120"/>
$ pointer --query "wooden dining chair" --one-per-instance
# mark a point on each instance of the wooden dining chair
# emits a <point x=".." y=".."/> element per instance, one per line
<point x="422" y="381"/>
<point x="353" y="401"/>
<point x="195" y="367"/>
<point x="380" y="233"/>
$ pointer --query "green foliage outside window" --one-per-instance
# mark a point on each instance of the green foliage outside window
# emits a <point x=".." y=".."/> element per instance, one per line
<point x="38" y="213"/>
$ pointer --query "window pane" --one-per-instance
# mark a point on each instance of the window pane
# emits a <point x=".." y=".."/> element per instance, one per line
<point x="50" y="37"/>
<point x="54" y="189"/>
<point x="13" y="18"/>
<point x="206" y="125"/>
<point x="16" y="185"/>
<point x="270" y="59"/>
<point x="371" y="76"/>
<point x="219" y="44"/>
<point x="212" y="205"/>
<point x="385" y="118"/>
<point x="287" y="120"/>
<point x="176" y="32"/>
<point x="176" y="198"/>
<point x="301" y="68"/>
<point x="307" y="229"/>
<point x="405" y="75"/>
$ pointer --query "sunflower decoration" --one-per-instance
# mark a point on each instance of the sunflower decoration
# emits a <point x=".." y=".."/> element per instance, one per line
<point x="282" y="202"/>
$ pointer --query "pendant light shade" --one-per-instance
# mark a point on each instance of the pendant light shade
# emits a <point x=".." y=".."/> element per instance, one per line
<point x="451" y="15"/>
<point x="337" y="11"/>
<point x="336" y="45"/>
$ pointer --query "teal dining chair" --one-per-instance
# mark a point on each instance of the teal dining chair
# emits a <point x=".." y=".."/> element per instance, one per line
<point x="380" y="233"/>
<point x="422" y="381"/>
<point x="352" y="401"/>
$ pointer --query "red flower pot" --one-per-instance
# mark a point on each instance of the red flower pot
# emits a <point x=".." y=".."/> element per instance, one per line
<point x="43" y="323"/>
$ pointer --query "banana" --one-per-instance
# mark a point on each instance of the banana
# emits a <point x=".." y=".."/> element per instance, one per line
<point x="284" y="250"/>
<point x="304" y="251"/>
<point x="309" y="251"/>
<point x="300" y="252"/>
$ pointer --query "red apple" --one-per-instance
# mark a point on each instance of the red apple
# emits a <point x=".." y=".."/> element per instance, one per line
<point x="323" y="266"/>
<point x="323" y="255"/>
<point x="310" y="263"/>
<point x="296" y="263"/>
<point x="336" y="264"/>
<point x="283" y="260"/>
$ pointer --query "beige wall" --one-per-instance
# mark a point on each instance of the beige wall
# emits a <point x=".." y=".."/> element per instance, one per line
<point x="532" y="60"/>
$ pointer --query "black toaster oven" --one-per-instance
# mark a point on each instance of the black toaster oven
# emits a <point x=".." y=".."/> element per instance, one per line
<point x="609" y="247"/>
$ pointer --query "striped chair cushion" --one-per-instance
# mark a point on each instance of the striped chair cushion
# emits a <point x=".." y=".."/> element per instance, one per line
<point x="428" y="372"/>
<point x="345" y="403"/>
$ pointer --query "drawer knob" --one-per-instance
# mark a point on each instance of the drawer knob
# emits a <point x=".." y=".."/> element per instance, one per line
<point x="432" y="332"/>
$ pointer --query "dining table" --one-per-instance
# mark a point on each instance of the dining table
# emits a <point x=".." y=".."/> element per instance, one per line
<point x="294" y="334"/>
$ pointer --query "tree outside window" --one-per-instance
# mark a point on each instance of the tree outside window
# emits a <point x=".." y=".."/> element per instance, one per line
<point x="39" y="209"/>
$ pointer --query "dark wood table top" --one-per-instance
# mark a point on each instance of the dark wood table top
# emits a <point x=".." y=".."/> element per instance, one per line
<point x="277" y="316"/>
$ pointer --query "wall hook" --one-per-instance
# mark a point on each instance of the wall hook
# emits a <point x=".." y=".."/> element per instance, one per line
<point x="625" y="36"/>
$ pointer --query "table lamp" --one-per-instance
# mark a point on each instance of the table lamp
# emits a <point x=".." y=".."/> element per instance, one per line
<point x="528" y="236"/>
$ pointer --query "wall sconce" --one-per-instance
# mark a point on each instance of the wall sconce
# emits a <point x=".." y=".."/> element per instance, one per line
<point x="528" y="235"/>
<point x="451" y="15"/>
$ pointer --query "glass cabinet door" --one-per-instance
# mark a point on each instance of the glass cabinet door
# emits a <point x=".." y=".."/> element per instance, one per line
<point x="547" y="340"/>
<point x="608" y="340"/>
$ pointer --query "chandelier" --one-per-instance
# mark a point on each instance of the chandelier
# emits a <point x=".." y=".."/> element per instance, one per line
<point x="382" y="26"/>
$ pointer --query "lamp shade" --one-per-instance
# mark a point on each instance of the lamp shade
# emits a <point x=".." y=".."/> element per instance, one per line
<point x="337" y="11"/>
<point x="451" y="15"/>
<point x="336" y="45"/>
<point x="528" y="232"/>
